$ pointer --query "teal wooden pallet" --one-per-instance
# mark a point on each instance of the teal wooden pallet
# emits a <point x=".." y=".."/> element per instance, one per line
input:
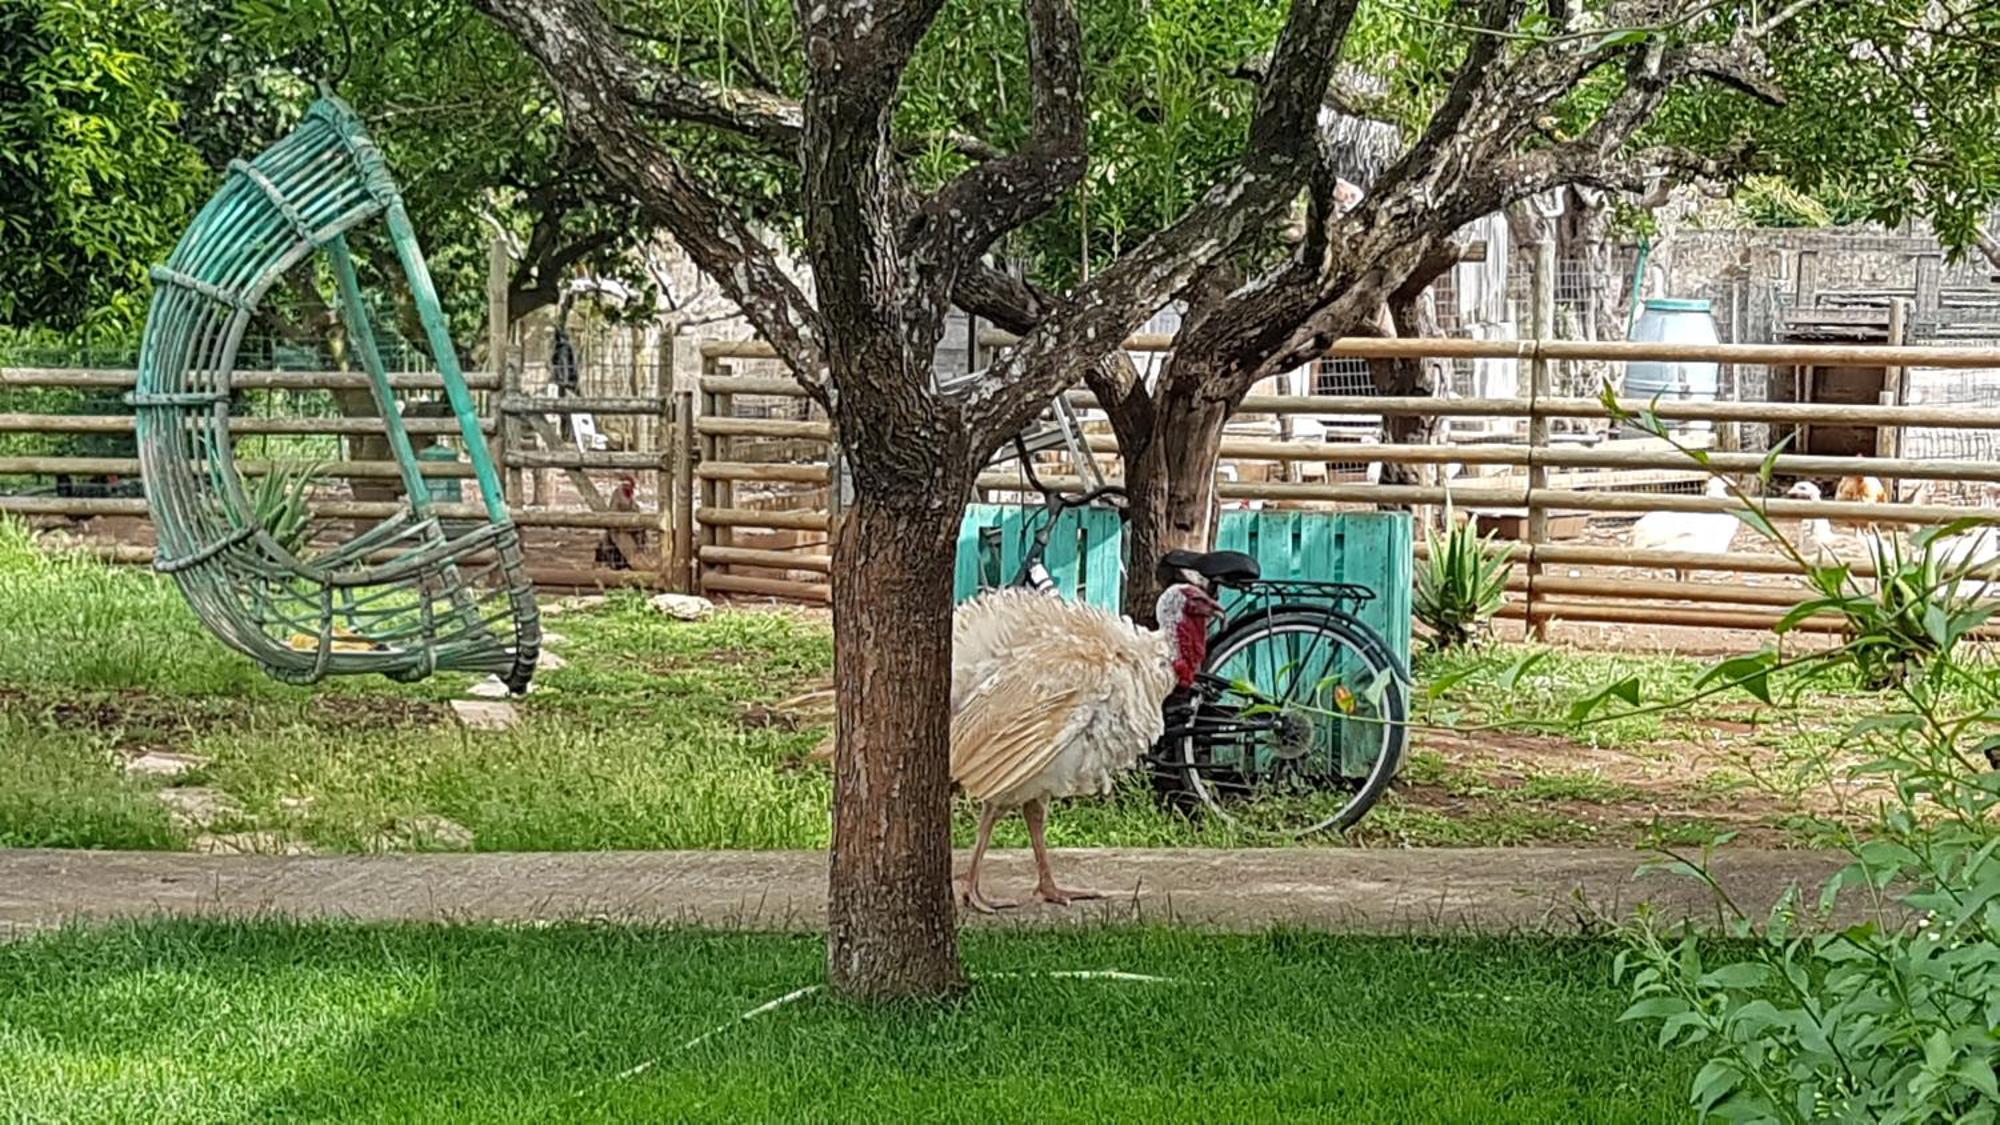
<point x="1371" y="549"/>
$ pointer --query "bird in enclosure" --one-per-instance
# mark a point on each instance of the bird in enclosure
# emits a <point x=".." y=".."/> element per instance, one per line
<point x="1053" y="698"/>
<point x="617" y="548"/>
<point x="1687" y="533"/>
<point x="1862" y="490"/>
<point x="1816" y="539"/>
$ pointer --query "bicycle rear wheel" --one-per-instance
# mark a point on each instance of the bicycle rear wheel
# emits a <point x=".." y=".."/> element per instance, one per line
<point x="1300" y="726"/>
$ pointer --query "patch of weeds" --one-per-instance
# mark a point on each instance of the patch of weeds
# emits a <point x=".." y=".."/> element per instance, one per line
<point x="1681" y="833"/>
<point x="1572" y="785"/>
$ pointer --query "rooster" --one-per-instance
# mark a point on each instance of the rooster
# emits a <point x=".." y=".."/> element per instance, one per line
<point x="1053" y="698"/>
<point x="1862" y="490"/>
<point x="616" y="548"/>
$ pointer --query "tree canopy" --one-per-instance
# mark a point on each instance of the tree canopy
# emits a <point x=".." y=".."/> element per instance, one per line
<point x="95" y="176"/>
<point x="115" y="116"/>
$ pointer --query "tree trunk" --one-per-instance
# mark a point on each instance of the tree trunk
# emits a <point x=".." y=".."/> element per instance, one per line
<point x="1406" y="378"/>
<point x="891" y="921"/>
<point x="1172" y="484"/>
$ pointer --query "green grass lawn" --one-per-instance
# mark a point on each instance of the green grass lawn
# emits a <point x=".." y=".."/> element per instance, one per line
<point x="659" y="734"/>
<point x="202" y="1022"/>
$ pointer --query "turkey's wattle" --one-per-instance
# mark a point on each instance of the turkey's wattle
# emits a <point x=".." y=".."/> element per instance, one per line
<point x="1053" y="698"/>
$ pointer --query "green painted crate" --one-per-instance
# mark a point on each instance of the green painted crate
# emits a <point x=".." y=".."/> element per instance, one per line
<point x="1371" y="549"/>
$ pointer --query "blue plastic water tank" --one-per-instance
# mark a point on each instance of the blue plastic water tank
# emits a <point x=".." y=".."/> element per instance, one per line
<point x="1674" y="322"/>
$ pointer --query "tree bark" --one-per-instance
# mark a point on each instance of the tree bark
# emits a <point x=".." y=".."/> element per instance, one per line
<point x="1172" y="480"/>
<point x="891" y="921"/>
<point x="1410" y="317"/>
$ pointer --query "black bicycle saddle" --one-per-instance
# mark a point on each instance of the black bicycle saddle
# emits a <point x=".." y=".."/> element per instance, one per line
<point x="1228" y="568"/>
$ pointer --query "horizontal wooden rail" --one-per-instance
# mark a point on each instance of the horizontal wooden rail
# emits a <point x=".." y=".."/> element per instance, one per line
<point x="752" y="385"/>
<point x="344" y="510"/>
<point x="1602" y="456"/>
<point x="1626" y="589"/>
<point x="763" y="427"/>
<point x="1434" y="347"/>
<point x="763" y="471"/>
<point x="1736" y="562"/>
<point x="129" y="467"/>
<point x="1473" y="496"/>
<point x="754" y="517"/>
<point x="547" y="577"/>
<point x="114" y="378"/>
<point x="1694" y="617"/>
<point x="818" y="592"/>
<point x="591" y="459"/>
<point x="1935" y="417"/>
<point x="766" y="560"/>
<point x="123" y="424"/>
<point x="587" y="404"/>
<point x="1942" y="417"/>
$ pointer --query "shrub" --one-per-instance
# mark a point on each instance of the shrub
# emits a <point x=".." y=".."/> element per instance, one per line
<point x="1880" y="1021"/>
<point x="278" y="501"/>
<point x="1462" y="584"/>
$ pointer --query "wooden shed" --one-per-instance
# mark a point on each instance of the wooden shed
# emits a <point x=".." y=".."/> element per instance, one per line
<point x="1843" y="384"/>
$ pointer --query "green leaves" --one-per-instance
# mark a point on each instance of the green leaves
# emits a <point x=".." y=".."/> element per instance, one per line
<point x="1752" y="673"/>
<point x="1626" y="689"/>
<point x="1461" y="583"/>
<point x="95" y="179"/>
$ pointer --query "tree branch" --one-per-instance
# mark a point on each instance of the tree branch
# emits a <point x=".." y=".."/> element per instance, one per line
<point x="964" y="217"/>
<point x="1112" y="303"/>
<point x="579" y="52"/>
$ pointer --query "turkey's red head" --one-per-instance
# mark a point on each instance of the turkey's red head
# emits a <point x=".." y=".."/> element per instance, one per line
<point x="1184" y="611"/>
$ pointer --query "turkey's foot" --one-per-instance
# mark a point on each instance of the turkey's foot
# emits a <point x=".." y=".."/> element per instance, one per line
<point x="970" y="895"/>
<point x="1050" y="893"/>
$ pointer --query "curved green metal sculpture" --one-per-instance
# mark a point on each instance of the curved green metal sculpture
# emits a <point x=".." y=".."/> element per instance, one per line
<point x="411" y="596"/>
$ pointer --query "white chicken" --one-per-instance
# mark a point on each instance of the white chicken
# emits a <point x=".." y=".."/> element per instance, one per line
<point x="1693" y="533"/>
<point x="1816" y="539"/>
<point x="1053" y="698"/>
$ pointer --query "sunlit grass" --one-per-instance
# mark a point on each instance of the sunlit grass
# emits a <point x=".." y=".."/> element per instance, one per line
<point x="202" y="1022"/>
<point x="658" y="734"/>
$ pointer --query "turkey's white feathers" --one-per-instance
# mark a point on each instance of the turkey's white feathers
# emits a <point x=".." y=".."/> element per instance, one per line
<point x="1051" y="698"/>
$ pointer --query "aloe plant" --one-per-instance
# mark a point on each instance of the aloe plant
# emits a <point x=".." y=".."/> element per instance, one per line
<point x="1462" y="584"/>
<point x="278" y="502"/>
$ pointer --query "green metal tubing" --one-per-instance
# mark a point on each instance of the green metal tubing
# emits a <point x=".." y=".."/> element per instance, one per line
<point x="362" y="334"/>
<point x="431" y="312"/>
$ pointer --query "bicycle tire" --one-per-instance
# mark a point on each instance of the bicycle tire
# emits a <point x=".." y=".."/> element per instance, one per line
<point x="1198" y="773"/>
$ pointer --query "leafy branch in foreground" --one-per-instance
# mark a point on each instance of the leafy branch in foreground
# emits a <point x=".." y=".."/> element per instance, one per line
<point x="1895" y="1018"/>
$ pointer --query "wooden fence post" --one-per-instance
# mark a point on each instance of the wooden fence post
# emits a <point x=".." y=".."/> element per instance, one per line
<point x="1895" y="391"/>
<point x="712" y="535"/>
<point x="673" y="568"/>
<point x="498" y="332"/>
<point x="689" y="573"/>
<point x="1539" y="382"/>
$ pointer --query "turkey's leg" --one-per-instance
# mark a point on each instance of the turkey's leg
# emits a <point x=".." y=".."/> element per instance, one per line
<point x="968" y="884"/>
<point x="1037" y="813"/>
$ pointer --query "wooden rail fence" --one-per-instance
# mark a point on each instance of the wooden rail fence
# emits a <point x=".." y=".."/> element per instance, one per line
<point x="744" y="503"/>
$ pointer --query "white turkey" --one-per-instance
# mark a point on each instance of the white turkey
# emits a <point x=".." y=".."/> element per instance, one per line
<point x="1053" y="698"/>
<point x="1692" y="533"/>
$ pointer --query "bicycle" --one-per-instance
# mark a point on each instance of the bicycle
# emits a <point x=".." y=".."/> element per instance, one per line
<point x="1297" y="722"/>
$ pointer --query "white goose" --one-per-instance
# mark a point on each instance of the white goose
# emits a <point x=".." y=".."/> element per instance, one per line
<point x="1692" y="533"/>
